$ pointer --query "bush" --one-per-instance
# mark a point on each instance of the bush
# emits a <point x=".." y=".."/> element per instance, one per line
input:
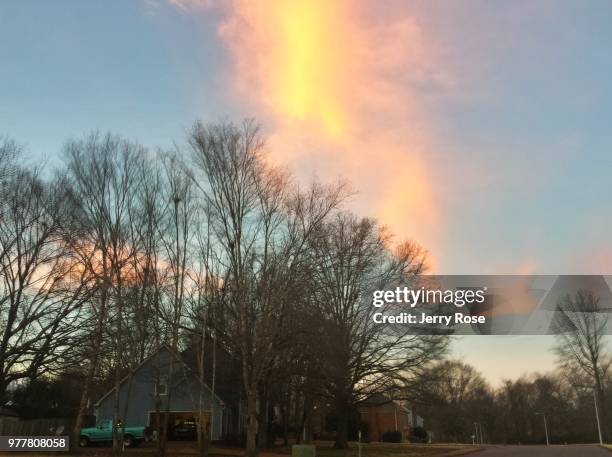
<point x="354" y="425"/>
<point x="418" y="435"/>
<point x="392" y="437"/>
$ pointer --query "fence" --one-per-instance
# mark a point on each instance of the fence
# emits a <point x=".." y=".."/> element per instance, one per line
<point x="33" y="427"/>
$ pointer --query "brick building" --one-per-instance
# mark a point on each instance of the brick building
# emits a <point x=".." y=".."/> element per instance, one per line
<point x="383" y="414"/>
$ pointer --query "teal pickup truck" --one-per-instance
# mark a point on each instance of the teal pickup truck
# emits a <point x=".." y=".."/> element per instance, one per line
<point x="103" y="432"/>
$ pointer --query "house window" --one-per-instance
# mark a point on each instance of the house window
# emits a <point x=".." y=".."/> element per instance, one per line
<point x="162" y="386"/>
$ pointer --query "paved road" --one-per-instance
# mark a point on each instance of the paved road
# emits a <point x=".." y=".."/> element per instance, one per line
<point x="544" y="451"/>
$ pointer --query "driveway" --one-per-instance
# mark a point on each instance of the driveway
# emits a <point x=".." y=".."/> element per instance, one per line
<point x="545" y="451"/>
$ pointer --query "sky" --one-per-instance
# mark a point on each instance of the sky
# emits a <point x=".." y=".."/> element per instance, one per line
<point x="478" y="129"/>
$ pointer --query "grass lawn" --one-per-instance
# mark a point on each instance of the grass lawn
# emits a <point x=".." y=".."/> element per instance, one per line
<point x="324" y="449"/>
<point x="392" y="450"/>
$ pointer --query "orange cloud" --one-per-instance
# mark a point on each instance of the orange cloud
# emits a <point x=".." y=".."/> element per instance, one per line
<point x="335" y="88"/>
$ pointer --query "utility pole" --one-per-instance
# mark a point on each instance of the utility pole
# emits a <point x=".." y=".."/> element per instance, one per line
<point x="395" y="411"/>
<point x="478" y="429"/>
<point x="545" y="427"/>
<point x="212" y="391"/>
<point x="597" y="417"/>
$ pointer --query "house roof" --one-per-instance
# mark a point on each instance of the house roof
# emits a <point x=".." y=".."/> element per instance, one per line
<point x="178" y="357"/>
<point x="227" y="369"/>
<point x="380" y="400"/>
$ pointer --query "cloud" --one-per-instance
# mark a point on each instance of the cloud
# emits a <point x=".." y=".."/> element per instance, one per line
<point x="339" y="88"/>
<point x="188" y="6"/>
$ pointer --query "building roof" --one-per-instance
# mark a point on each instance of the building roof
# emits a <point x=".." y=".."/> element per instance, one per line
<point x="380" y="400"/>
<point x="179" y="357"/>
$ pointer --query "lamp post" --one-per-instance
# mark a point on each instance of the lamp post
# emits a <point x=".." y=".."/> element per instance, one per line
<point x="478" y="430"/>
<point x="545" y="427"/>
<point x="597" y="416"/>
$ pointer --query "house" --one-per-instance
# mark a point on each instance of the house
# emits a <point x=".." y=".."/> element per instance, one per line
<point x="143" y="396"/>
<point x="383" y="414"/>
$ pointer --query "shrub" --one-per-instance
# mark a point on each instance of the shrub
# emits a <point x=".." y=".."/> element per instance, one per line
<point x="392" y="437"/>
<point x="418" y="435"/>
<point x="354" y="425"/>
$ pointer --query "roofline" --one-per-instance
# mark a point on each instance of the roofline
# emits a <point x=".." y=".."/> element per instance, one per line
<point x="172" y="353"/>
<point x="367" y="403"/>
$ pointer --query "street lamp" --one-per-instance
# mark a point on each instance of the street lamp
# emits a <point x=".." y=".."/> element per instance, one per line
<point x="478" y="429"/>
<point x="597" y="416"/>
<point x="545" y="427"/>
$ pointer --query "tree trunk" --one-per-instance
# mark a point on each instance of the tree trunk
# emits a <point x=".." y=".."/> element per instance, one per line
<point x="126" y="405"/>
<point x="203" y="429"/>
<point x="262" y="420"/>
<point x="342" y="429"/>
<point x="91" y="372"/>
<point x="203" y="435"/>
<point x="163" y="442"/>
<point x="3" y="384"/>
<point x="307" y="418"/>
<point x="76" y="431"/>
<point x="117" y="430"/>
<point x="285" y="418"/>
<point x="158" y="424"/>
<point x="308" y="428"/>
<point x="251" y="441"/>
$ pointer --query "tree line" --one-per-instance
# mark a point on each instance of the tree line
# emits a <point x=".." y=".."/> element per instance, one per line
<point x="121" y="250"/>
<point x="574" y="401"/>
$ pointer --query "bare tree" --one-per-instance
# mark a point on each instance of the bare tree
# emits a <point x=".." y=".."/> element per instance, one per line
<point x="117" y="254"/>
<point x="353" y="257"/>
<point x="453" y="396"/>
<point x="260" y="225"/>
<point x="200" y="299"/>
<point x="9" y="151"/>
<point x="41" y="284"/>
<point x="580" y="325"/>
<point x="105" y="172"/>
<point x="176" y="240"/>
